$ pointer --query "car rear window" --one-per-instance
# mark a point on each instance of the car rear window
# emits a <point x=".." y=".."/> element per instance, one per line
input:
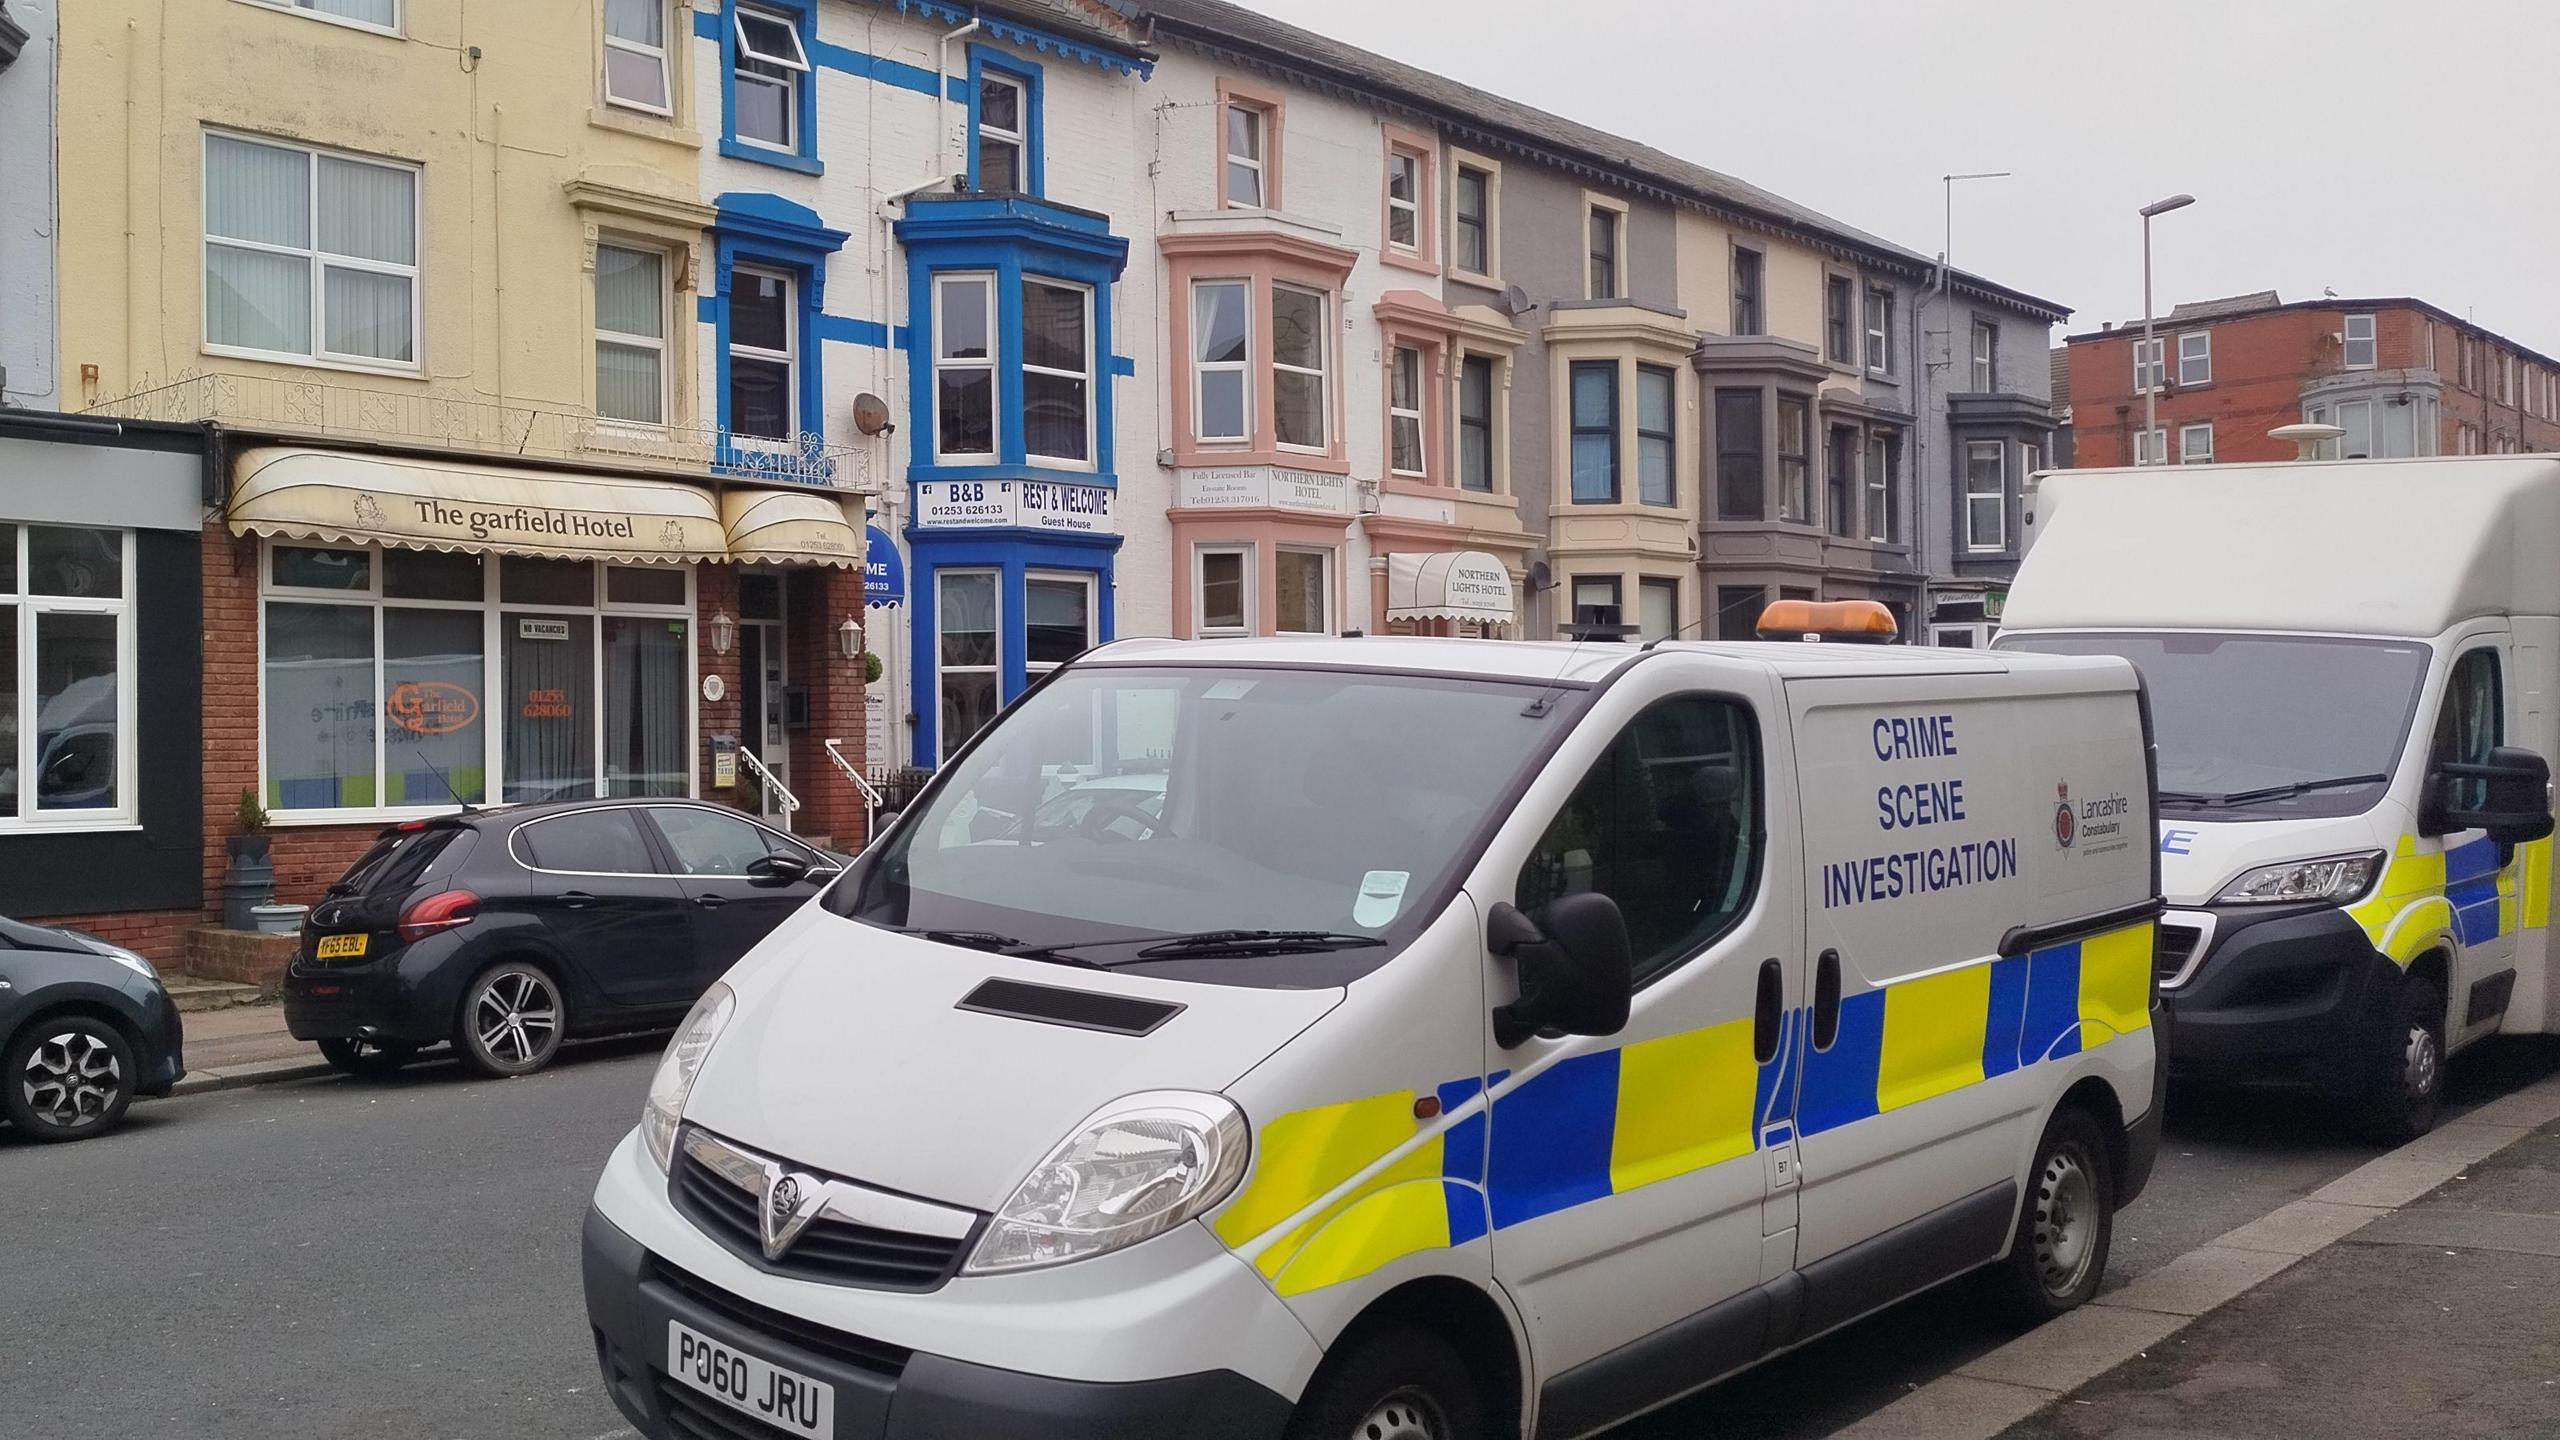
<point x="396" y="861"/>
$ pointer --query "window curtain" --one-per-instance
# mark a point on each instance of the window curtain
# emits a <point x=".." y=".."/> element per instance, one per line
<point x="371" y="12"/>
<point x="369" y="212"/>
<point x="257" y="299"/>
<point x="630" y="300"/>
<point x="644" y="705"/>
<point x="550" y="677"/>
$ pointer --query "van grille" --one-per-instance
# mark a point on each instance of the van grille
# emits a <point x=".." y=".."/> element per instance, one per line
<point x="830" y="1251"/>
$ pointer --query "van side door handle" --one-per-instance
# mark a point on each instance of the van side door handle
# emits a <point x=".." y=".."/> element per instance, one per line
<point x="1767" y="1012"/>
<point x="1826" y="1000"/>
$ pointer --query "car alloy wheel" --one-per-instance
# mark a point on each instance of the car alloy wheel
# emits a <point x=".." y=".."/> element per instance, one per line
<point x="72" y="1080"/>
<point x="511" y="1022"/>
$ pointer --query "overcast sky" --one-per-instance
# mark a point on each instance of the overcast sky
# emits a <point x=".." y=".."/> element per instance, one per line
<point x="2310" y="168"/>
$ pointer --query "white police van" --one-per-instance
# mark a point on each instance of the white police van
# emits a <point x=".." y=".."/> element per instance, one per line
<point x="2352" y="666"/>
<point x="1465" y="1039"/>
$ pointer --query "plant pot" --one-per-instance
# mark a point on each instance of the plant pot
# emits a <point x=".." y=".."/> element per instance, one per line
<point x="247" y="883"/>
<point x="248" y="847"/>
<point x="278" y="919"/>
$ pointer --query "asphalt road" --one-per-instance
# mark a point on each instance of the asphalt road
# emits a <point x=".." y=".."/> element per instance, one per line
<point x="334" y="1258"/>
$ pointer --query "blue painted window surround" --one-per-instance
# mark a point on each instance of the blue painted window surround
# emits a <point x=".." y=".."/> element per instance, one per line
<point x="803" y="156"/>
<point x="1009" y="238"/>
<point x="1025" y="76"/>
<point x="767" y="232"/>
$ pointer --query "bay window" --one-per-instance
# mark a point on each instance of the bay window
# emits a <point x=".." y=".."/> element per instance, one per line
<point x="1301" y="348"/>
<point x="1222" y="591"/>
<point x="67" y="653"/>
<point x="1741" y="480"/>
<point x="1596" y="599"/>
<point x="1222" y="360"/>
<point x="764" y="355"/>
<point x="1475" y="423"/>
<point x="1657" y="402"/>
<point x="1986" y="495"/>
<point x="1657" y="609"/>
<point x="1404" y="411"/>
<point x="1841" y="473"/>
<point x="1795" y="468"/>
<point x="964" y="367"/>
<point x="309" y="254"/>
<point x="1884" y="458"/>
<point x="1057" y="622"/>
<point x="1057" y="371"/>
<point x="376" y="679"/>
<point x="631" y="335"/>
<point x="1594" y="417"/>
<point x="967" y="621"/>
<point x="1301" y="590"/>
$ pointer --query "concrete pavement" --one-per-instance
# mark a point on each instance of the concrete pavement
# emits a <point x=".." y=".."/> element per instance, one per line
<point x="244" y="1045"/>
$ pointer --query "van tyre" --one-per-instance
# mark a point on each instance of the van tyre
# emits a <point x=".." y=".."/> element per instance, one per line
<point x="2403" y="1102"/>
<point x="366" y="1058"/>
<point x="2065" y="1228"/>
<point x="512" y="1019"/>
<point x="1398" y="1384"/>
<point x="66" y="1078"/>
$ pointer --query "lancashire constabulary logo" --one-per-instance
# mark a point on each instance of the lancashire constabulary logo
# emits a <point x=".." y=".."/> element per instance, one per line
<point x="2066" y="826"/>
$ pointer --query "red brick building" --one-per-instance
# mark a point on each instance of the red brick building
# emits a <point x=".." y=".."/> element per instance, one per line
<point x="2401" y="376"/>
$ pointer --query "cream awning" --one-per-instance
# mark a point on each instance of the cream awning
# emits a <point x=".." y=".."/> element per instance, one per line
<point x="1449" y="585"/>
<point x="789" y="527"/>
<point x="452" y="505"/>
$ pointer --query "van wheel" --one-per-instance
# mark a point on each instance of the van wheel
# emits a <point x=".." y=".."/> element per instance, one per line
<point x="1395" y="1385"/>
<point x="511" y="1021"/>
<point x="2065" y="1228"/>
<point x="2403" y="1102"/>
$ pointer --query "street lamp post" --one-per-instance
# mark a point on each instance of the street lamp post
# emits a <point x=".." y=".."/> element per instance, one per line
<point x="2146" y="366"/>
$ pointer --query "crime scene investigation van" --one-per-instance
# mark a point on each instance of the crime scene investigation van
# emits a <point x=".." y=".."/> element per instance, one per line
<point x="1466" y="1039"/>
<point x="2351" y="667"/>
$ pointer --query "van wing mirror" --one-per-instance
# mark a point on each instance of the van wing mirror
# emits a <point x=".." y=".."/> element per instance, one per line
<point x="2508" y="795"/>
<point x="1577" y="970"/>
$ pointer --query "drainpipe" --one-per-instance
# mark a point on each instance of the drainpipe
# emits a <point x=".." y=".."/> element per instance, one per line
<point x="942" y="87"/>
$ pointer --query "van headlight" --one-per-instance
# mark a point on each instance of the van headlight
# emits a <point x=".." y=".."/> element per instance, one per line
<point x="1141" y="1166"/>
<point x="2336" y="879"/>
<point x="676" y="1069"/>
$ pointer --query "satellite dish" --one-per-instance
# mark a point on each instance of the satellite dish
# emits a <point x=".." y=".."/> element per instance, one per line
<point x="871" y="414"/>
<point x="1516" y="301"/>
<point x="1540" y="577"/>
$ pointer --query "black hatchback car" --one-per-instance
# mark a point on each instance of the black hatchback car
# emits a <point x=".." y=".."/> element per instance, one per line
<point x="506" y="931"/>
<point x="85" y="1026"/>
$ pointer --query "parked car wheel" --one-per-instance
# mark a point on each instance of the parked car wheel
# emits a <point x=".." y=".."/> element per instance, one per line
<point x="2410" y="1088"/>
<point x="67" y="1078"/>
<point x="511" y="1021"/>
<point x="365" y="1057"/>
<point x="2065" y="1228"/>
<point x="1399" y="1385"/>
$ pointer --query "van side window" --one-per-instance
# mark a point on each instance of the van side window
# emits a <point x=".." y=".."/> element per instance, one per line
<point x="2470" y="723"/>
<point x="1667" y="824"/>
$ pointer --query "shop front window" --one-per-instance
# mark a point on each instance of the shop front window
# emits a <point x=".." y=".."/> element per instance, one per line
<point x="378" y="693"/>
<point x="965" y="624"/>
<point x="66" y="642"/>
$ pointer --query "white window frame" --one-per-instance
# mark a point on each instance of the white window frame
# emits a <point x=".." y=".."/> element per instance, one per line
<point x="1243" y="367"/>
<point x="2201" y="353"/>
<point x="1200" y="626"/>
<point x="492" y="610"/>
<point x="658" y="342"/>
<point x="2372" y="432"/>
<point x="320" y="260"/>
<point x="1411" y="206"/>
<point x="2371" y="340"/>
<point x="1324" y="586"/>
<point x="2150" y="363"/>
<point x="2188" y="451"/>
<point x="1259" y="164"/>
<point x="659" y="53"/>
<point x="24" y="607"/>
<point x="1877" y="311"/>
<point x="944" y="281"/>
<point x="1974" y="497"/>
<point x="788" y="356"/>
<point x="1323" y="371"/>
<point x="2151" y="447"/>
<point x="796" y="64"/>
<point x="1397" y="350"/>
<point x="1092" y="386"/>
<point x="1083" y="579"/>
<point x="1986" y="356"/>
<point x="1879" y="486"/>
<point x="943" y="740"/>
<point x="1019" y="138"/>
<point x="303" y="8"/>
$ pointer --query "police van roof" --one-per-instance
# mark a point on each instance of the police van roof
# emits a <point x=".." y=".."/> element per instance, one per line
<point x="1569" y="662"/>
<point x="2363" y="547"/>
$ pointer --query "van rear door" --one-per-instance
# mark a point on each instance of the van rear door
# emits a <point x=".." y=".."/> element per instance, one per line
<point x="1942" y="813"/>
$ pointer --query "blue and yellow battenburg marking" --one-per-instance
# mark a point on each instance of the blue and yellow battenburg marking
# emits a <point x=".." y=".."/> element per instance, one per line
<point x="1610" y="1121"/>
<point x="2479" y="900"/>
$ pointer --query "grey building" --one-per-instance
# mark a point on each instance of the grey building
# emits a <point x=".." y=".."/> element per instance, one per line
<point x="27" y="204"/>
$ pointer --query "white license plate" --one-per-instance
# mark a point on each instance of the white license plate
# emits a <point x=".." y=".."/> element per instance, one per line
<point x="781" y="1398"/>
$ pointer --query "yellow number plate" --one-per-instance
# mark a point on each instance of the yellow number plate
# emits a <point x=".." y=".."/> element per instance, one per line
<point x="341" y="947"/>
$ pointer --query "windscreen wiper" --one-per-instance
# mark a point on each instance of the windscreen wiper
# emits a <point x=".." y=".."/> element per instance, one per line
<point x="1253" y="942"/>
<point x="2276" y="792"/>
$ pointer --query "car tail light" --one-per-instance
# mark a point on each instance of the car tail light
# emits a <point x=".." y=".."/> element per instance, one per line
<point x="444" y="910"/>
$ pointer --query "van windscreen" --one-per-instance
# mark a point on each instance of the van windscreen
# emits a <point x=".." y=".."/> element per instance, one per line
<point x="1119" y="808"/>
<point x="2263" y="726"/>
